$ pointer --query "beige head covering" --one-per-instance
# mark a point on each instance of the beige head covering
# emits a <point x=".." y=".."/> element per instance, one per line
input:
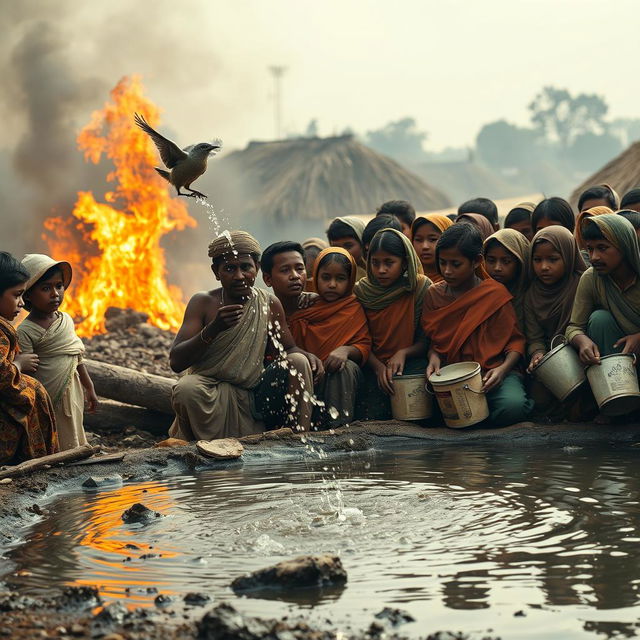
<point x="233" y="243"/>
<point x="527" y="206"/>
<point x="37" y="264"/>
<point x="582" y="216"/>
<point x="355" y="223"/>
<point x="315" y="243"/>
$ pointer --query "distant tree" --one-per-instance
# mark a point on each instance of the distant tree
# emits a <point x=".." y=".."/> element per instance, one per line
<point x="312" y="129"/>
<point x="561" y="117"/>
<point x="400" y="139"/>
<point x="627" y="129"/>
<point x="589" y="151"/>
<point x="503" y="145"/>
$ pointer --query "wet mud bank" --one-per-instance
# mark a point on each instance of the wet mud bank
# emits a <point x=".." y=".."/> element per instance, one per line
<point x="78" y="613"/>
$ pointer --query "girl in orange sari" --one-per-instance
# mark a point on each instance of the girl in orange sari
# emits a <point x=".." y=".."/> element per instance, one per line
<point x="469" y="317"/>
<point x="335" y="329"/>
<point x="425" y="233"/>
<point x="27" y="422"/>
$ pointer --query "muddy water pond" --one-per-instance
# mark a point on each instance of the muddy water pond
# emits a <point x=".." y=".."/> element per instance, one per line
<point x="531" y="543"/>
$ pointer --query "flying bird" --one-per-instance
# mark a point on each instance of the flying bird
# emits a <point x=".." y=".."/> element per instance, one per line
<point x="185" y="165"/>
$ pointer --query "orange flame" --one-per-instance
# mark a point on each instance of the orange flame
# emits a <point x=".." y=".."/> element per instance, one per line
<point x="114" y="247"/>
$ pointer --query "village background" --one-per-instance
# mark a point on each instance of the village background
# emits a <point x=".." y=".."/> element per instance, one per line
<point x="325" y="109"/>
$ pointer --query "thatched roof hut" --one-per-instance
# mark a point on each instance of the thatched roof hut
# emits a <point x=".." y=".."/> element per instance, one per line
<point x="315" y="179"/>
<point x="622" y="173"/>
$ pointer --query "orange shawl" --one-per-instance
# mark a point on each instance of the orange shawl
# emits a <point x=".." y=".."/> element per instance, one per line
<point x="325" y="326"/>
<point x="479" y="326"/>
<point x="392" y="328"/>
<point x="440" y="222"/>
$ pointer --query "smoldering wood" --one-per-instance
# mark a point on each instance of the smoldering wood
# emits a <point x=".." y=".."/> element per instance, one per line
<point x="70" y="455"/>
<point x="131" y="387"/>
<point x="115" y="416"/>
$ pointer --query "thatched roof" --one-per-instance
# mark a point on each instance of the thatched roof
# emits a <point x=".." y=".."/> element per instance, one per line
<point x="315" y="179"/>
<point x="622" y="173"/>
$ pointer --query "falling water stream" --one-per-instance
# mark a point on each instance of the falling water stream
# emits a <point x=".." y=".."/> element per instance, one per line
<point x="528" y="543"/>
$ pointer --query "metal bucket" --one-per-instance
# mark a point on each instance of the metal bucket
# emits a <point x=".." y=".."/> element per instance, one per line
<point x="560" y="370"/>
<point x="410" y="400"/>
<point x="458" y="390"/>
<point x="614" y="383"/>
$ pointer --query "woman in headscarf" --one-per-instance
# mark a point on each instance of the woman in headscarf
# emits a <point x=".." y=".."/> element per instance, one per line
<point x="479" y="222"/>
<point x="346" y="232"/>
<point x="519" y="218"/>
<point x="582" y="216"/>
<point x="425" y="233"/>
<point x="391" y="294"/>
<point x="506" y="258"/>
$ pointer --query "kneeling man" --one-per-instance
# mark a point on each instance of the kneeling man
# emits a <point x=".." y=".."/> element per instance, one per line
<point x="222" y="344"/>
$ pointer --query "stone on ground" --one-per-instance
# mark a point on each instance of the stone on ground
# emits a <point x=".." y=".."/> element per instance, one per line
<point x="222" y="449"/>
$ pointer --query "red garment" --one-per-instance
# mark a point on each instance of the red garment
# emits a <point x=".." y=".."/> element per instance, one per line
<point x="325" y="326"/>
<point x="480" y="326"/>
<point x="392" y="328"/>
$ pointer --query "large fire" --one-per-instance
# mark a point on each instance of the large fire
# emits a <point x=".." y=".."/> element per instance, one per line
<point x="114" y="247"/>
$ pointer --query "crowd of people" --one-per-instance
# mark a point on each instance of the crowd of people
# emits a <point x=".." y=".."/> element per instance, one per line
<point x="401" y="295"/>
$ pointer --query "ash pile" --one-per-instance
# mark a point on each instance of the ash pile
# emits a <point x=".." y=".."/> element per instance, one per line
<point x="132" y="342"/>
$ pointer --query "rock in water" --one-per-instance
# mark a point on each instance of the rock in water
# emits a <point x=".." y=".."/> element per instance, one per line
<point x="99" y="482"/>
<point x="139" y="513"/>
<point x="222" y="449"/>
<point x="305" y="571"/>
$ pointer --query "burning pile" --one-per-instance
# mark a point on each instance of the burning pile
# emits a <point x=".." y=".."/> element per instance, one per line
<point x="114" y="246"/>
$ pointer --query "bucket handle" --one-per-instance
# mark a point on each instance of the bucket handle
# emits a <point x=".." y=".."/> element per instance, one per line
<point x="468" y="388"/>
<point x="553" y="340"/>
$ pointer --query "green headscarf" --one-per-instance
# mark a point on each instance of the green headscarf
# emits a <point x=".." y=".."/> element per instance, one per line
<point x="376" y="297"/>
<point x="621" y="234"/>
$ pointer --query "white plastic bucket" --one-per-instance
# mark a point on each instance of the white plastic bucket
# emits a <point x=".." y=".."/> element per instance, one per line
<point x="458" y="390"/>
<point x="410" y="400"/>
<point x="560" y="370"/>
<point x="614" y="383"/>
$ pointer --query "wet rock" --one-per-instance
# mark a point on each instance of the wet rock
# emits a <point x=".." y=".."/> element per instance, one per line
<point x="15" y="602"/>
<point x="138" y="513"/>
<point x="222" y="449"/>
<point x="99" y="482"/>
<point x="304" y="571"/>
<point x="162" y="600"/>
<point x="196" y="599"/>
<point x="80" y="597"/>
<point x="77" y="630"/>
<point x="112" y="613"/>
<point x="6" y="481"/>
<point x="395" y="616"/>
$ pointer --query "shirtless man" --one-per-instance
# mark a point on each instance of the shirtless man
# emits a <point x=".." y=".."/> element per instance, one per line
<point x="222" y="342"/>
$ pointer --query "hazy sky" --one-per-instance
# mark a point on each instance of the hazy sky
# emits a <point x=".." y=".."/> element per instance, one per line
<point x="452" y="64"/>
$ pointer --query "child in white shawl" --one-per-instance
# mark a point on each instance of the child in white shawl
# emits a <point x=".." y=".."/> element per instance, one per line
<point x="50" y="334"/>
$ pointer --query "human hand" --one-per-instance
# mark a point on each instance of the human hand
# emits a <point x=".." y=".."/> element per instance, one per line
<point x="336" y="360"/>
<point x="492" y="379"/>
<point x="91" y="400"/>
<point x="631" y="344"/>
<point x="307" y="299"/>
<point x="535" y="359"/>
<point x="384" y="383"/>
<point x="433" y="366"/>
<point x="317" y="369"/>
<point x="226" y="318"/>
<point x="587" y="350"/>
<point x="27" y="362"/>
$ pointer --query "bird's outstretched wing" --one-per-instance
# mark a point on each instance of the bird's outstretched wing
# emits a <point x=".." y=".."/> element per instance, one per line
<point x="170" y="153"/>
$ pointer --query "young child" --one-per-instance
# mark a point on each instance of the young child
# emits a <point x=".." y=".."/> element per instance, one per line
<point x="469" y="317"/>
<point x="519" y="218"/>
<point x="27" y="418"/>
<point x="605" y="318"/>
<point x="553" y="211"/>
<point x="480" y="222"/>
<point x="346" y="232"/>
<point x="50" y="334"/>
<point x="381" y="221"/>
<point x="601" y="195"/>
<point x="402" y="210"/>
<point x="392" y="295"/>
<point x="506" y="258"/>
<point x="335" y="329"/>
<point x="484" y="207"/>
<point x="557" y="266"/>
<point x="587" y="213"/>
<point x="631" y="200"/>
<point x="312" y="247"/>
<point x="425" y="233"/>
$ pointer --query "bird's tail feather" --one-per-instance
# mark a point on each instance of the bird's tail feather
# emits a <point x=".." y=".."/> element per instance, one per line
<point x="165" y="174"/>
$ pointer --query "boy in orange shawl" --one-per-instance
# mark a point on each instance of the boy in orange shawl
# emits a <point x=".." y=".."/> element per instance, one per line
<point x="27" y="420"/>
<point x="469" y="317"/>
<point x="335" y="329"/>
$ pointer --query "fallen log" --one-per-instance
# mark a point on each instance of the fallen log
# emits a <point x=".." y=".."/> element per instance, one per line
<point x="70" y="455"/>
<point x="131" y="386"/>
<point x="115" y="416"/>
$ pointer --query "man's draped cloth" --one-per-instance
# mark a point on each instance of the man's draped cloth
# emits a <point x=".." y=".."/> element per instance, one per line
<point x="27" y="422"/>
<point x="60" y="352"/>
<point x="213" y="400"/>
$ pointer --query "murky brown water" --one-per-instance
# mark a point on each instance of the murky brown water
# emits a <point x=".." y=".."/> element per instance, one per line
<point x="462" y="537"/>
